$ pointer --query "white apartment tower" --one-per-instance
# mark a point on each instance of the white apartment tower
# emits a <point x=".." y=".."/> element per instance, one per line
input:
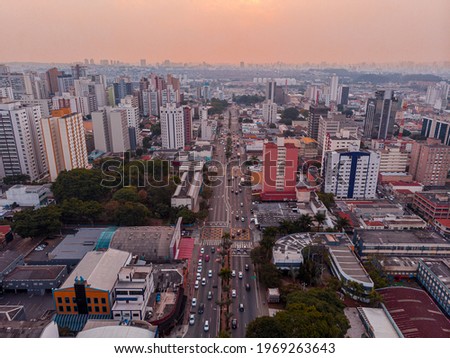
<point x="351" y="174"/>
<point x="269" y="111"/>
<point x="21" y="142"/>
<point x="65" y="143"/>
<point x="172" y="126"/>
<point x="334" y="83"/>
<point x="110" y="127"/>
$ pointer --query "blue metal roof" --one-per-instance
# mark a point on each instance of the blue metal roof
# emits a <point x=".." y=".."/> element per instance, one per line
<point x="105" y="238"/>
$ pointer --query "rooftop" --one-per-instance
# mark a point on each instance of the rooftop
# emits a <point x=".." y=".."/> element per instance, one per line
<point x="7" y="257"/>
<point x="389" y="237"/>
<point x="415" y="313"/>
<point x="349" y="263"/>
<point x="444" y="222"/>
<point x="379" y="322"/>
<point x="99" y="269"/>
<point x="35" y="272"/>
<point x="441" y="268"/>
<point x="148" y="242"/>
<point x="438" y="198"/>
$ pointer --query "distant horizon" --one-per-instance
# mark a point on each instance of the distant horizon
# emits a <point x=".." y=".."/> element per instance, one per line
<point x="227" y="31"/>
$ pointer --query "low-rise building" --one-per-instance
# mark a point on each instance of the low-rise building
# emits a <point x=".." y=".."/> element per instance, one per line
<point x="132" y="292"/>
<point x="187" y="192"/>
<point x="378" y="324"/>
<point x="35" y="279"/>
<point x="420" y="243"/>
<point x="9" y="260"/>
<point x="443" y="225"/>
<point x="432" y="205"/>
<point x="434" y="276"/>
<point x="33" y="196"/>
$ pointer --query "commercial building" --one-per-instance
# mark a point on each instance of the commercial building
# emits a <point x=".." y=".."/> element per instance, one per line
<point x="132" y="292"/>
<point x="430" y="162"/>
<point x="351" y="174"/>
<point x="334" y="83"/>
<point x="35" y="279"/>
<point x="380" y="115"/>
<point x="432" y="205"/>
<point x="291" y="251"/>
<point x="434" y="276"/>
<point x="378" y="323"/>
<point x="9" y="260"/>
<point x="187" y="192"/>
<point x="172" y="127"/>
<point x="393" y="159"/>
<point x="415" y="313"/>
<point x="90" y="287"/>
<point x="443" y="226"/>
<point x="420" y="243"/>
<point x="65" y="143"/>
<point x="187" y="117"/>
<point x="21" y="141"/>
<point x="437" y="127"/>
<point x="33" y="196"/>
<point x="280" y="164"/>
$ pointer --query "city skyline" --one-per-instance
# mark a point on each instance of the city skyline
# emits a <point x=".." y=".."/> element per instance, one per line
<point x="253" y="31"/>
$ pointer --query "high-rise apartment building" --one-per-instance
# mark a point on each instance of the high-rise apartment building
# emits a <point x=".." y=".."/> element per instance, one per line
<point x="187" y="118"/>
<point x="65" y="143"/>
<point x="315" y="112"/>
<point x="66" y="84"/>
<point x="351" y="174"/>
<point x="437" y="95"/>
<point x="78" y="71"/>
<point x="380" y="115"/>
<point x="172" y="126"/>
<point x="280" y="165"/>
<point x="52" y="79"/>
<point x="21" y="141"/>
<point x="430" y="162"/>
<point x="111" y="131"/>
<point x="437" y="127"/>
<point x="334" y="83"/>
<point x="343" y="93"/>
<point x="269" y="111"/>
<point x="393" y="159"/>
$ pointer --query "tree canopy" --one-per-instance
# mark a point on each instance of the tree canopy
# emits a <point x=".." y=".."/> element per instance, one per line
<point x="290" y="113"/>
<point x="38" y="223"/>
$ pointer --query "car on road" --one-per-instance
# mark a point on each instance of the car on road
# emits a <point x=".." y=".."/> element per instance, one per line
<point x="237" y="192"/>
<point x="210" y="295"/>
<point x="200" y="262"/>
<point x="233" y="273"/>
<point x="247" y="267"/>
<point x="232" y="190"/>
<point x="202" y="250"/>
<point x="240" y="275"/>
<point x="241" y="307"/>
<point x="242" y="204"/>
<point x="191" y="320"/>
<point x="199" y="269"/>
<point x="210" y="273"/>
<point x="247" y="287"/>
<point x="196" y="284"/>
<point x="242" y="219"/>
<point x="207" y="258"/>
<point x="234" y="323"/>
<point x="201" y="308"/>
<point x="206" y="326"/>
<point x="233" y="293"/>
<point x="199" y="277"/>
<point x="194" y="302"/>
<point x="203" y="281"/>
<point x="237" y="217"/>
<point x="213" y="249"/>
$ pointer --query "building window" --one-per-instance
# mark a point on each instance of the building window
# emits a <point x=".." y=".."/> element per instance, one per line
<point x="90" y="309"/>
<point x="67" y="299"/>
<point x="95" y="300"/>
<point x="69" y="309"/>
<point x="104" y="301"/>
<point x="104" y="310"/>
<point x="60" y="308"/>
<point x="97" y="309"/>
<point x="89" y="300"/>
<point x="59" y="300"/>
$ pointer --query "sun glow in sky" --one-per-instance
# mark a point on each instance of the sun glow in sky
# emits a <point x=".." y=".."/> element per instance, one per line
<point x="226" y="31"/>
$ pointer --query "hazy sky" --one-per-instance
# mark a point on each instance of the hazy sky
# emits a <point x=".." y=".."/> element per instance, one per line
<point x="225" y="31"/>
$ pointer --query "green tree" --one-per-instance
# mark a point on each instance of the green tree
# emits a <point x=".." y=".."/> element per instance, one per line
<point x="128" y="193"/>
<point x="264" y="327"/>
<point x="187" y="215"/>
<point x="224" y="334"/>
<point x="16" y="179"/>
<point x="320" y="219"/>
<point x="341" y="223"/>
<point x="131" y="214"/>
<point x="225" y="274"/>
<point x="326" y="198"/>
<point x="74" y="210"/>
<point x="305" y="222"/>
<point x="81" y="184"/>
<point x="269" y="275"/>
<point x="290" y="113"/>
<point x="38" y="223"/>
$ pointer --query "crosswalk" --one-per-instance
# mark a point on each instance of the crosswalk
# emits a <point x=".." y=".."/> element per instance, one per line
<point x="210" y="242"/>
<point x="235" y="245"/>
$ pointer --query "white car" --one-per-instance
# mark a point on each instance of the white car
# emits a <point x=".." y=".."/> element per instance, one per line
<point x="196" y="284"/>
<point x="233" y="273"/>
<point x="199" y="277"/>
<point x="242" y="219"/>
<point x="194" y="302"/>
<point x="199" y="269"/>
<point x="203" y="281"/>
<point x="206" y="326"/>
<point x="200" y="262"/>
<point x="202" y="250"/>
<point x="191" y="319"/>
<point x="210" y="273"/>
<point x="233" y="293"/>
<point x="240" y="274"/>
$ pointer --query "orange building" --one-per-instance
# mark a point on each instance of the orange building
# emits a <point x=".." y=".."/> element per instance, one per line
<point x="90" y="287"/>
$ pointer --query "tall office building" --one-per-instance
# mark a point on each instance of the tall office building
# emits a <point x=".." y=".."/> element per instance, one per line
<point x="436" y="127"/>
<point x="270" y="90"/>
<point x="78" y="71"/>
<point x="315" y="112"/>
<point x="122" y="88"/>
<point x="351" y="174"/>
<point x="21" y="142"/>
<point x="172" y="126"/>
<point x="437" y="95"/>
<point x="430" y="162"/>
<point x="343" y="93"/>
<point x="269" y="111"/>
<point x="65" y="143"/>
<point x="280" y="165"/>
<point x="52" y="79"/>
<point x="101" y="129"/>
<point x="187" y="118"/>
<point x="334" y="83"/>
<point x="380" y="115"/>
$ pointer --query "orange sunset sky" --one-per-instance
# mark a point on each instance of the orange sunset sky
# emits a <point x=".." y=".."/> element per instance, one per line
<point x="225" y="31"/>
